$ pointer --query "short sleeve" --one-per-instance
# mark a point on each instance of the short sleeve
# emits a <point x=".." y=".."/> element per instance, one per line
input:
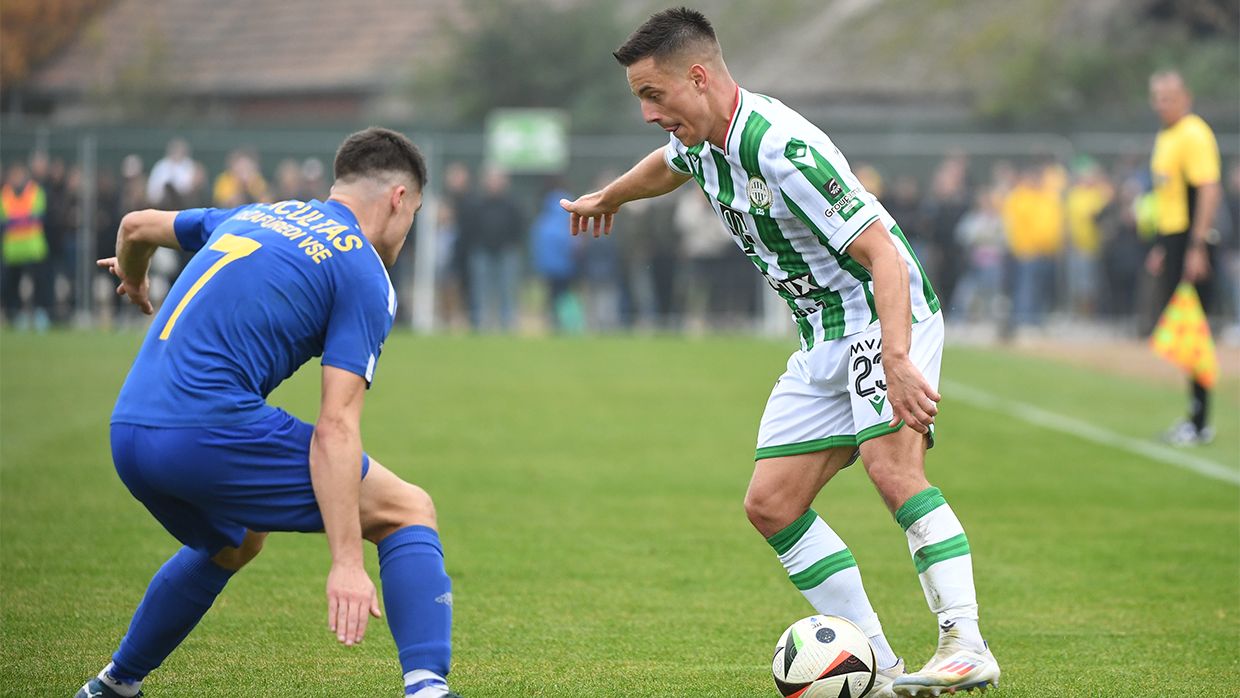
<point x="674" y="158"/>
<point x="823" y="193"/>
<point x="1201" y="158"/>
<point x="361" y="318"/>
<point x="194" y="226"/>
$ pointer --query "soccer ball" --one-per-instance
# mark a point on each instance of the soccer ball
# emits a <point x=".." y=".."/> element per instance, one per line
<point x="823" y="657"/>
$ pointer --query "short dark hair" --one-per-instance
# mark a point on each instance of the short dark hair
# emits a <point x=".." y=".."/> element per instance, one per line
<point x="376" y="150"/>
<point x="666" y="34"/>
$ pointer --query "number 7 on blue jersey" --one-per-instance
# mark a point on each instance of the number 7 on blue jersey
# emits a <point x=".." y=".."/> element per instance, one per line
<point x="234" y="248"/>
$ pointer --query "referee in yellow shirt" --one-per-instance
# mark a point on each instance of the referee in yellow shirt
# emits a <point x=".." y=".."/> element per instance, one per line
<point x="1185" y="169"/>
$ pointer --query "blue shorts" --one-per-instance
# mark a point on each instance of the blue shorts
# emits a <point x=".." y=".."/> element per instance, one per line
<point x="207" y="486"/>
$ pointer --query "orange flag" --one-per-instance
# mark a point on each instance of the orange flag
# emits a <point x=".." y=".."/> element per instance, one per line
<point x="1182" y="336"/>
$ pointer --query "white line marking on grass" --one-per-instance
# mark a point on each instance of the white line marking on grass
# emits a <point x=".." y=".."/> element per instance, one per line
<point x="1069" y="425"/>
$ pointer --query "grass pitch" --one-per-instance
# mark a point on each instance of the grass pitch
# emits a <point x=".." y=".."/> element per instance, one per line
<point x="589" y="494"/>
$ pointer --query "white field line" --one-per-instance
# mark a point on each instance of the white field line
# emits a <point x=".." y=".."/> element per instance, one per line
<point x="1076" y="427"/>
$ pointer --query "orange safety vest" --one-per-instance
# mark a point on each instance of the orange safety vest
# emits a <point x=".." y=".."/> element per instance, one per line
<point x="22" y="216"/>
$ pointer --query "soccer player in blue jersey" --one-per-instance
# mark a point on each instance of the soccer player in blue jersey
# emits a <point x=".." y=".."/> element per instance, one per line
<point x="271" y="286"/>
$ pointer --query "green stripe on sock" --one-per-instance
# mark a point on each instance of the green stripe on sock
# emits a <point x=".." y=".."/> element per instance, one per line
<point x="919" y="505"/>
<point x="785" y="539"/>
<point x="955" y="546"/>
<point x="818" y="572"/>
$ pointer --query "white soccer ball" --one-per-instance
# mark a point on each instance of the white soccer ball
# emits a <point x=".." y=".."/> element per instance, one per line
<point x="823" y="657"/>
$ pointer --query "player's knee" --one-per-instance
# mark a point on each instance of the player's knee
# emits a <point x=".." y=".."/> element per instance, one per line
<point x="403" y="505"/>
<point x="236" y="558"/>
<point x="766" y="511"/>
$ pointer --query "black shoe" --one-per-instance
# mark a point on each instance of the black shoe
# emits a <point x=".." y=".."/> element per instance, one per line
<point x="95" y="688"/>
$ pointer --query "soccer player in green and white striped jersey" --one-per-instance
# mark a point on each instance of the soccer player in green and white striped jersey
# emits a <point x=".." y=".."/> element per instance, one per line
<point x="864" y="380"/>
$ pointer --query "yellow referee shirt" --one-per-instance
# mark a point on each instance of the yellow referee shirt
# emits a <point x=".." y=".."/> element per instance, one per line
<point x="1185" y="157"/>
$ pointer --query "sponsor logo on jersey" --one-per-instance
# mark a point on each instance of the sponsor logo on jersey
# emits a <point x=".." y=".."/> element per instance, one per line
<point x="845" y="201"/>
<point x="797" y="287"/>
<point x="833" y="188"/>
<point x="759" y="193"/>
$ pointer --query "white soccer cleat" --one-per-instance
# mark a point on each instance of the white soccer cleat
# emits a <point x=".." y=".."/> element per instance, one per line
<point x="883" y="679"/>
<point x="953" y="669"/>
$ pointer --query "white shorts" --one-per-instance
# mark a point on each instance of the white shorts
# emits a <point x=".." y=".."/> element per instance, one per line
<point x="835" y="394"/>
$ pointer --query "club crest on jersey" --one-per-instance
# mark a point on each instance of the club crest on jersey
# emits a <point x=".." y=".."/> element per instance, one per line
<point x="759" y="193"/>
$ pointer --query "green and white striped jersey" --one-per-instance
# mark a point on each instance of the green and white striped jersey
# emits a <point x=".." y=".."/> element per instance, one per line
<point x="787" y="196"/>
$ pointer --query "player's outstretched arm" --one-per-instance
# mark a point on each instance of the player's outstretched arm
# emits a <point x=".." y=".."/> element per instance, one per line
<point x="910" y="394"/>
<point x="648" y="178"/>
<point x="335" y="473"/>
<point x="140" y="234"/>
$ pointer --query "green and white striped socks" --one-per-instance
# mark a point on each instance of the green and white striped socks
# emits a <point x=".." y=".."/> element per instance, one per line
<point x="941" y="554"/>
<point x="821" y="566"/>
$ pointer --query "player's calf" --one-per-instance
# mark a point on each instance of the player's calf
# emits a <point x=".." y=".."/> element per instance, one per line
<point x="417" y="593"/>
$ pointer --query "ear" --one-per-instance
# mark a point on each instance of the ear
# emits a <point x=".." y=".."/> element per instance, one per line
<point x="698" y="76"/>
<point x="398" y="196"/>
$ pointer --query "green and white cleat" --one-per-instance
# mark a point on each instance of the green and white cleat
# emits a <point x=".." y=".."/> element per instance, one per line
<point x="953" y="669"/>
<point x="883" y="679"/>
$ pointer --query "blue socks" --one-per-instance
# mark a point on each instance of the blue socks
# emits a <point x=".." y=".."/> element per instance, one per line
<point x="177" y="598"/>
<point x="417" y="599"/>
<point x="417" y="596"/>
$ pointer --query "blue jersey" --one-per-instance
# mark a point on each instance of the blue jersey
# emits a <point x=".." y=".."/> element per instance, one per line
<point x="271" y="286"/>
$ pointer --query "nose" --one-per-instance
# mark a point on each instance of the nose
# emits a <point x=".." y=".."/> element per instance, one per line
<point x="649" y="114"/>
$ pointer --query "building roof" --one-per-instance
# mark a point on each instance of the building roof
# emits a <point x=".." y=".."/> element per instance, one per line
<point x="249" y="46"/>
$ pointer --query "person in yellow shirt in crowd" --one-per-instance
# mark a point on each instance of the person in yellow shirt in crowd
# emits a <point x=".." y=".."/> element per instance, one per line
<point x="1091" y="192"/>
<point x="1185" y="169"/>
<point x="1033" y="219"/>
<point x="242" y="183"/>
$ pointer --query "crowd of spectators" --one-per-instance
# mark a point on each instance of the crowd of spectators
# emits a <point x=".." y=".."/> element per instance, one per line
<point x="40" y="280"/>
<point x="1010" y="245"/>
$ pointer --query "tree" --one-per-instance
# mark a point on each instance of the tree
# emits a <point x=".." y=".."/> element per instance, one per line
<point x="32" y="30"/>
<point x="530" y="53"/>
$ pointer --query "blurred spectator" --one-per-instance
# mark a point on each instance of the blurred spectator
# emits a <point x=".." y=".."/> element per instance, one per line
<point x="703" y="246"/>
<point x="495" y="250"/>
<point x="979" y="293"/>
<point x="1033" y="220"/>
<point x="1090" y="194"/>
<point x="108" y="204"/>
<point x="942" y="209"/>
<point x="1231" y="248"/>
<point x="241" y="183"/>
<point x="649" y="258"/>
<point x="288" y="180"/>
<point x="176" y="180"/>
<point x="1122" y="252"/>
<point x="871" y="179"/>
<point x="23" y="206"/>
<point x="904" y="205"/>
<point x="313" y="181"/>
<point x="554" y="255"/>
<point x="461" y="198"/>
<point x="602" y="268"/>
<point x="62" y="198"/>
<point x="133" y="187"/>
<point x="449" y="294"/>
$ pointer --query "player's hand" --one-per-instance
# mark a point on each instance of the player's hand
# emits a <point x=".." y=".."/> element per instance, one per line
<point x="138" y="293"/>
<point x="351" y="600"/>
<point x="911" y="397"/>
<point x="589" y="211"/>
<point x="1196" y="264"/>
